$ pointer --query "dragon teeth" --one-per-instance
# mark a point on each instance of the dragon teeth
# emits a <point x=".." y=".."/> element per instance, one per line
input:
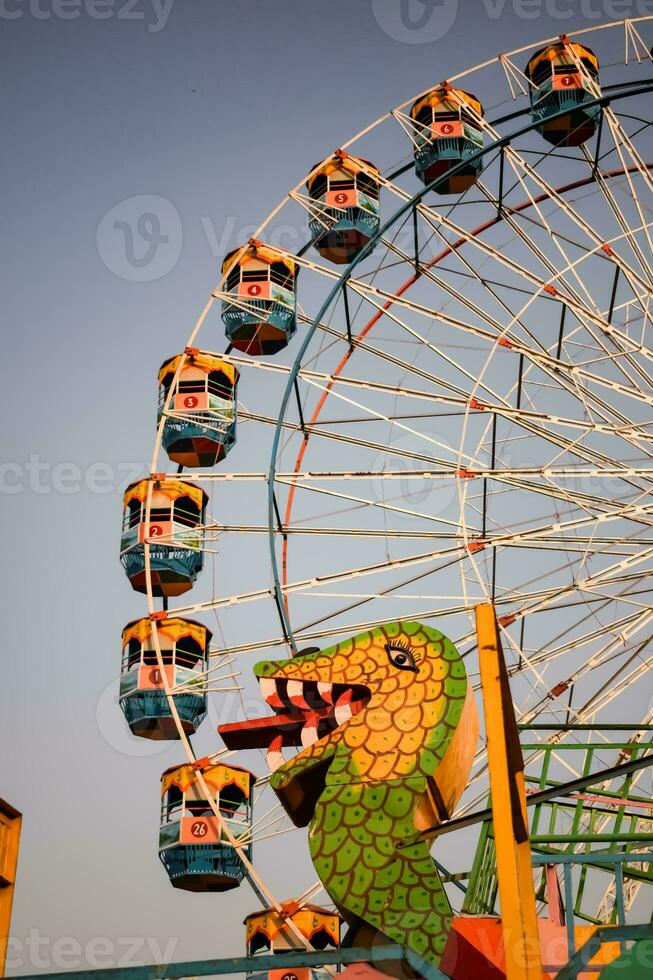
<point x="343" y="713"/>
<point x="343" y="710"/>
<point x="309" y="732"/>
<point x="296" y="694"/>
<point x="325" y="691"/>
<point x="270" y="692"/>
<point x="274" y="757"/>
<point x="268" y="687"/>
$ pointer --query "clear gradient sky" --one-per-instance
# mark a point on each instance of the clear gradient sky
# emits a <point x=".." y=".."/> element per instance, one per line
<point x="218" y="106"/>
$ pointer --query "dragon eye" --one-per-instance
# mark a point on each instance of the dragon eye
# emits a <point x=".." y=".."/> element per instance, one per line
<point x="401" y="657"/>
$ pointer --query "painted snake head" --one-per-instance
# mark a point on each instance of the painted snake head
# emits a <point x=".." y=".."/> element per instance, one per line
<point x="387" y="704"/>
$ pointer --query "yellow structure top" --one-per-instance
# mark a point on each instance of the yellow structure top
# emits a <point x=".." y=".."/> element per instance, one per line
<point x="205" y="362"/>
<point x="342" y="161"/>
<point x="216" y="777"/>
<point x="174" y="628"/>
<point x="447" y="99"/>
<point x="557" y="53"/>
<point x="172" y="489"/>
<point x="257" y="250"/>
<point x="10" y="825"/>
<point x="309" y="919"/>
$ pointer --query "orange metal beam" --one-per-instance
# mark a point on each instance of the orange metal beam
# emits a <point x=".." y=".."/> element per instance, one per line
<point x="508" y="794"/>
<point x="10" y="824"/>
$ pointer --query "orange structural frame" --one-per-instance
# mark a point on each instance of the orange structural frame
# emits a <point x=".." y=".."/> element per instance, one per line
<point x="508" y="794"/>
<point x="10" y="824"/>
<point x="475" y="949"/>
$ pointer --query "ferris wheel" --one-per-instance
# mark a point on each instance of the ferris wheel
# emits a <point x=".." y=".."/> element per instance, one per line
<point x="443" y="396"/>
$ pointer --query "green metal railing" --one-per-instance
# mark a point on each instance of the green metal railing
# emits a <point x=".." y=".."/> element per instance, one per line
<point x="617" y="861"/>
<point x="613" y="818"/>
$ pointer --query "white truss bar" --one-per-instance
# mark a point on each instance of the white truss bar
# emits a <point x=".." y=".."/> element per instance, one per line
<point x="462" y="609"/>
<point x="517" y="80"/>
<point x="317" y="581"/>
<point x="639" y="622"/>
<point x="427" y="273"/>
<point x="633" y="39"/>
<point x="316" y="430"/>
<point x="521" y="167"/>
<point x="624" y="684"/>
<point x="507" y="412"/>
<point x="617" y="627"/>
<point x="387" y="418"/>
<point x="619" y="135"/>
<point x="522" y="416"/>
<point x="433" y="518"/>
<point x="438" y="220"/>
<point x="590" y="582"/>
<point x="582" y="715"/>
<point x="616" y="211"/>
<point x="446" y="473"/>
<point x="560" y="278"/>
<point x="598" y="544"/>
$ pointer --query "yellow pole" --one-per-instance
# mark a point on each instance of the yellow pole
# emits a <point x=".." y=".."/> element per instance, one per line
<point x="10" y="823"/>
<point x="509" y="816"/>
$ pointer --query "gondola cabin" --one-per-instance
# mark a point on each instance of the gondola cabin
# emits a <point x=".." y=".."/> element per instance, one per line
<point x="258" y="308"/>
<point x="266" y="931"/>
<point x="344" y="206"/>
<point x="200" y="418"/>
<point x="558" y="83"/>
<point x="173" y="530"/>
<point x="184" y="646"/>
<point x="193" y="847"/>
<point x="447" y="134"/>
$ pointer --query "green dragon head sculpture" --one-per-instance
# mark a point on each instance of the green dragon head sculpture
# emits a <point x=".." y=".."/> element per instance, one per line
<point x="387" y="727"/>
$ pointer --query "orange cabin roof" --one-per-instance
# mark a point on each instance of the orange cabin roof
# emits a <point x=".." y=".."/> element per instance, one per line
<point x="305" y="905"/>
<point x="216" y="776"/>
<point x="205" y="362"/>
<point x="309" y="919"/>
<point x="556" y="52"/>
<point x="354" y="165"/>
<point x="171" y="488"/>
<point x="175" y="628"/>
<point x="258" y="251"/>
<point x="449" y="99"/>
